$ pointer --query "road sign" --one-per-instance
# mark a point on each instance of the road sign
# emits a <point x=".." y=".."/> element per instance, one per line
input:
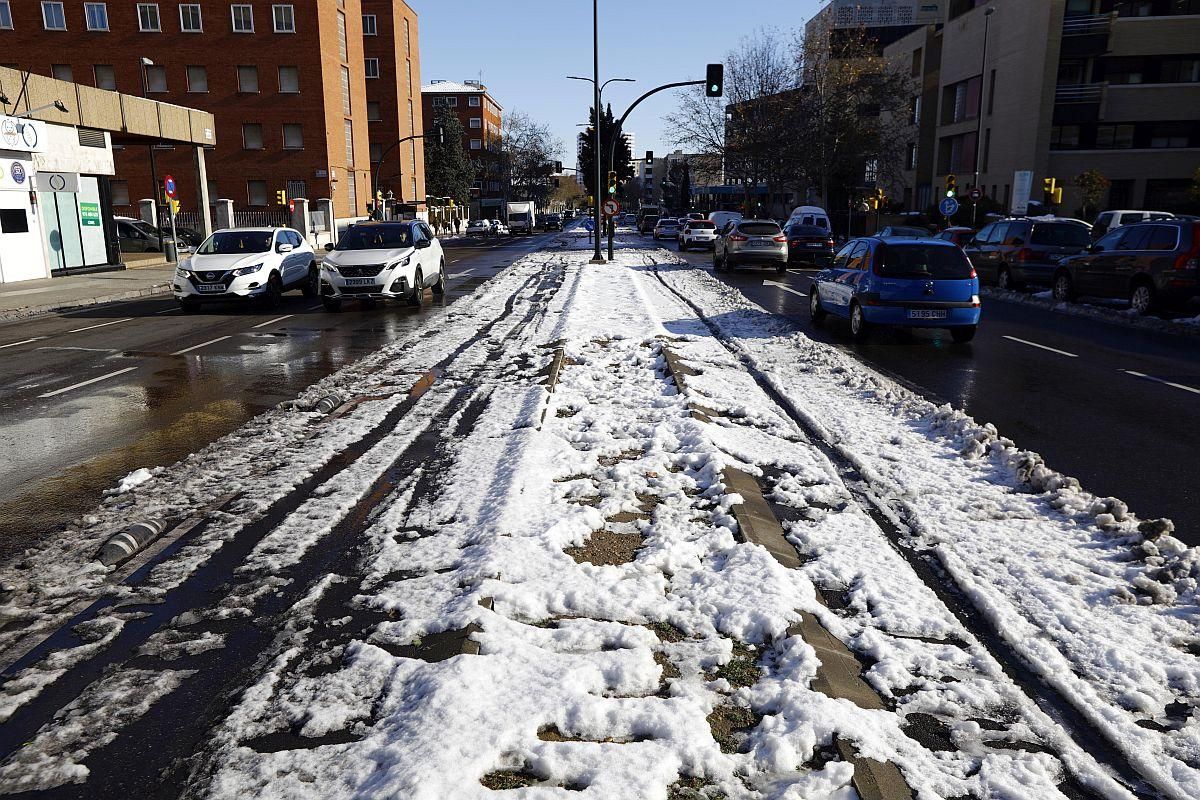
<point x="589" y="225"/>
<point x="948" y="207"/>
<point x="611" y="208"/>
<point x="1022" y="186"/>
<point x="169" y="186"/>
<point x="976" y="194"/>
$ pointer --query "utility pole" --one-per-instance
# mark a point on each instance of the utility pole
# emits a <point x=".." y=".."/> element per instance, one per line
<point x="597" y="258"/>
<point x="987" y="17"/>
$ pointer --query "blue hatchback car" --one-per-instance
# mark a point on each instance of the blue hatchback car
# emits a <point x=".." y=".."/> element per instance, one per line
<point x="908" y="283"/>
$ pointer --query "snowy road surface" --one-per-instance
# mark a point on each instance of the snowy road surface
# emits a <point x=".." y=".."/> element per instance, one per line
<point x="468" y="580"/>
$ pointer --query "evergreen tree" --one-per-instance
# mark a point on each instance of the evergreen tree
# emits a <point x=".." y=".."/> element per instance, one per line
<point x="622" y="161"/>
<point x="448" y="171"/>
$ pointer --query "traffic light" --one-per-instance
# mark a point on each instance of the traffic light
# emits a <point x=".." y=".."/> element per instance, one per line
<point x="281" y="197"/>
<point x="951" y="186"/>
<point x="649" y="156"/>
<point x="558" y="166"/>
<point x="1051" y="191"/>
<point x="714" y="83"/>
<point x="612" y="182"/>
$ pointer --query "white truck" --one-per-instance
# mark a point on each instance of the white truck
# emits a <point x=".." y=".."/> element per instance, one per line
<point x="521" y="217"/>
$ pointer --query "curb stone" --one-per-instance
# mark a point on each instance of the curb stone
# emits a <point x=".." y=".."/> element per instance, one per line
<point x="86" y="302"/>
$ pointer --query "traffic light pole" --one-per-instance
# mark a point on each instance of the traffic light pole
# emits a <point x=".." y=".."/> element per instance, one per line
<point x="384" y="155"/>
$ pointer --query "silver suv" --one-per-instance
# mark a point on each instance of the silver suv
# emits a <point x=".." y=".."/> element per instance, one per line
<point x="750" y="241"/>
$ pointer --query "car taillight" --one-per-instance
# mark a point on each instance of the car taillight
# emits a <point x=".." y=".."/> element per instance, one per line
<point x="829" y="242"/>
<point x="737" y="237"/>
<point x="1191" y="259"/>
<point x="781" y="238"/>
<point x="973" y="274"/>
<point x="1024" y="254"/>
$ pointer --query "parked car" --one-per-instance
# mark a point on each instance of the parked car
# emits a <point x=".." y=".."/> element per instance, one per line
<point x="136" y="236"/>
<point x="479" y="227"/>
<point x="910" y="283"/>
<point x="1015" y="252"/>
<point x="902" y="232"/>
<point x="751" y="241"/>
<point x="383" y="261"/>
<point x="666" y="228"/>
<point x="809" y="215"/>
<point x="647" y="223"/>
<point x="697" y="233"/>
<point x="247" y="263"/>
<point x="1154" y="264"/>
<point x="957" y="235"/>
<point x="1109" y="221"/>
<point x="809" y="244"/>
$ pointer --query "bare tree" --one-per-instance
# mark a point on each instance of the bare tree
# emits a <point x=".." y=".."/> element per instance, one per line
<point x="523" y="156"/>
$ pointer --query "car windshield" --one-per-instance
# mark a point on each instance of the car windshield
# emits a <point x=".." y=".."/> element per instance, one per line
<point x="1061" y="235"/>
<point x="806" y="230"/>
<point x="227" y="243"/>
<point x="375" y="237"/>
<point x="759" y="228"/>
<point x="923" y="261"/>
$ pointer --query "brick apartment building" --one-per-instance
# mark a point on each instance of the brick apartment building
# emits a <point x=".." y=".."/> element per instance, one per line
<point x="287" y="83"/>
<point x="480" y="116"/>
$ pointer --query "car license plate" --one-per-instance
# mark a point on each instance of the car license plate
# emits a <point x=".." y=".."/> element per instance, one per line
<point x="210" y="288"/>
<point x="762" y="244"/>
<point x="360" y="281"/>
<point x="926" y="313"/>
<point x="814" y="246"/>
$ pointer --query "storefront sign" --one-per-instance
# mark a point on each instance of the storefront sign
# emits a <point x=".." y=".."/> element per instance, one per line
<point x="17" y="170"/>
<point x="57" y="181"/>
<point x="14" y="174"/>
<point x="89" y="215"/>
<point x="22" y="135"/>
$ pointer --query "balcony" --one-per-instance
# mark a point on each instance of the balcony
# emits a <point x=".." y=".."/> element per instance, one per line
<point x="1086" y="35"/>
<point x="1078" y="102"/>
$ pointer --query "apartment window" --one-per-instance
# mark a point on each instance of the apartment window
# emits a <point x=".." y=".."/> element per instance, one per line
<point x="346" y="91"/>
<point x="96" y="15"/>
<point x="297" y="189"/>
<point x="106" y="78"/>
<point x="476" y="144"/>
<point x="1064" y="137"/>
<point x="293" y="136"/>
<point x="352" y="191"/>
<point x="910" y="162"/>
<point x="1170" y="134"/>
<point x="243" y="18"/>
<point x="343" y="53"/>
<point x="372" y="68"/>
<point x="1181" y="70"/>
<point x="374" y="114"/>
<point x="5" y="15"/>
<point x="349" y="130"/>
<point x="1114" y="137"/>
<point x="120" y="192"/>
<point x="256" y="193"/>
<point x="289" y="80"/>
<point x="916" y="62"/>
<point x="62" y="72"/>
<point x="961" y="101"/>
<point x="407" y="39"/>
<point x="473" y="102"/>
<point x="247" y="79"/>
<point x="252" y="138"/>
<point x="476" y="122"/>
<point x="190" y="18"/>
<point x="445" y="102"/>
<point x="197" y="78"/>
<point x="1125" y="70"/>
<point x="156" y="78"/>
<point x="408" y="72"/>
<point x="370" y="28"/>
<point x="148" y="18"/>
<point x="53" y="17"/>
<point x="376" y="152"/>
<point x="285" y="18"/>
<point x="914" y="111"/>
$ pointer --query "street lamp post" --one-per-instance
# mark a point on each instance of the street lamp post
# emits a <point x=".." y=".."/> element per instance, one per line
<point x="153" y="168"/>
<point x="400" y="174"/>
<point x="612" y="136"/>
<point x="987" y="18"/>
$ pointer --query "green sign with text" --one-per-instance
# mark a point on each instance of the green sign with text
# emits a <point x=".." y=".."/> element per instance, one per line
<point x="89" y="214"/>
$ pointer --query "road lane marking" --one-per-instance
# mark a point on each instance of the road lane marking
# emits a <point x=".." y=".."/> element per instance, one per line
<point x="167" y="310"/>
<point x="1136" y="374"/>
<point x="23" y="341"/>
<point x="81" y="384"/>
<point x="314" y="308"/>
<point x="273" y="321"/>
<point x="101" y="325"/>
<point x="198" y="346"/>
<point x="785" y="287"/>
<point x="1042" y="347"/>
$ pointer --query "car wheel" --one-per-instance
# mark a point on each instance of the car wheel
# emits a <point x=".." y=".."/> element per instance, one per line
<point x="1142" y="299"/>
<point x="439" y="288"/>
<point x="273" y="296"/>
<point x="1004" y="279"/>
<point x="418" y="291"/>
<point x="682" y="247"/>
<point x="189" y="306"/>
<point x="782" y="268"/>
<point x="815" y="311"/>
<point x="312" y="285"/>
<point x="963" y="334"/>
<point x="860" y="329"/>
<point x="1064" y="289"/>
<point x="332" y="304"/>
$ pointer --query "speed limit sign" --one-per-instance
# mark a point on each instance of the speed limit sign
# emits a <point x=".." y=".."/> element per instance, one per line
<point x="611" y="208"/>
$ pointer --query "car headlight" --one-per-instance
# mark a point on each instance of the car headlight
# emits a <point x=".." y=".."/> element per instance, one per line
<point x="330" y="266"/>
<point x="402" y="263"/>
<point x="250" y="270"/>
<point x="180" y="272"/>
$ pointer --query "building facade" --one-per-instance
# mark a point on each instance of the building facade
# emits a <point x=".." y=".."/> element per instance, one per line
<point x="482" y="120"/>
<point x="394" y="108"/>
<point x="285" y="82"/>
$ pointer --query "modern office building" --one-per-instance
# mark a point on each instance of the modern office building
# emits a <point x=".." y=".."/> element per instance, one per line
<point x="481" y="118"/>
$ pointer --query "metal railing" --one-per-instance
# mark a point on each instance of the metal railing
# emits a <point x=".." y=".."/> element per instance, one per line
<point x="1087" y="25"/>
<point x="1079" y="93"/>
<point x="279" y="217"/>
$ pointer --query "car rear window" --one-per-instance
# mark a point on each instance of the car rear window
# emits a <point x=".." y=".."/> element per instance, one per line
<point x="919" y="233"/>
<point x="1063" y="234"/>
<point x="759" y="228"/>
<point x="923" y="261"/>
<point x="806" y="230"/>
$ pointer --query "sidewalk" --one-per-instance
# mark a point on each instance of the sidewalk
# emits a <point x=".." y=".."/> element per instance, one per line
<point x="28" y="298"/>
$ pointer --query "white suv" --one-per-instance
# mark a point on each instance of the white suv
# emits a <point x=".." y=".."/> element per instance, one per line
<point x="246" y="263"/>
<point x="698" y="233"/>
<point x="383" y="261"/>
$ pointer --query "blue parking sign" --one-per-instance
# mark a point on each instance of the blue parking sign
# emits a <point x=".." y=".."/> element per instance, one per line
<point x="949" y="207"/>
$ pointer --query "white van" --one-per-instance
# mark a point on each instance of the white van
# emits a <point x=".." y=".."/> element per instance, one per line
<point x="809" y="215"/>
<point x="722" y="218"/>
<point x="1111" y="220"/>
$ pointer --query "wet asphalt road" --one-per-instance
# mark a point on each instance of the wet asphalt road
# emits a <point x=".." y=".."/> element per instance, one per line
<point x="1077" y="404"/>
<point x="167" y="383"/>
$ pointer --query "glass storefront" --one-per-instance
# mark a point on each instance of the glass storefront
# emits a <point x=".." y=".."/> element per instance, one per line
<point x="74" y="226"/>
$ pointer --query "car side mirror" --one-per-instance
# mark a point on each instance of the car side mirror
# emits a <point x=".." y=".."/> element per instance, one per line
<point x="284" y="248"/>
<point x="1095" y="248"/>
<point x="421" y="244"/>
<point x="329" y="247"/>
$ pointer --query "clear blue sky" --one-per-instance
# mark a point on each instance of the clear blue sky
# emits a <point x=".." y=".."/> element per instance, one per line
<point x="526" y="48"/>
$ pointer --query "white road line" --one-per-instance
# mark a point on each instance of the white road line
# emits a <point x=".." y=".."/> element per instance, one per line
<point x="101" y="325"/>
<point x="272" y="321"/>
<point x="1042" y="347"/>
<point x="88" y="382"/>
<point x="1136" y="374"/>
<point x="23" y="341"/>
<point x="167" y="310"/>
<point x="785" y="287"/>
<point x="314" y="308"/>
<point x="198" y="346"/>
<point x="804" y="272"/>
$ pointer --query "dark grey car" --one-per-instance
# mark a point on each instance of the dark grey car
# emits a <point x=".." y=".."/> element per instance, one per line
<point x="1014" y="252"/>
